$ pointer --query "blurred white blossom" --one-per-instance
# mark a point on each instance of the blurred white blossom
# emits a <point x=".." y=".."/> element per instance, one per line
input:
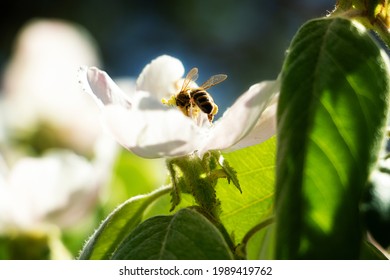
<point x="40" y="84"/>
<point x="60" y="184"/>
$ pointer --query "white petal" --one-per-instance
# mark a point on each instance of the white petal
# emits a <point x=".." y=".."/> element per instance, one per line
<point x="264" y="129"/>
<point x="101" y="87"/>
<point x="39" y="83"/>
<point x="239" y="120"/>
<point x="153" y="132"/>
<point x="56" y="182"/>
<point x="40" y="76"/>
<point x="161" y="76"/>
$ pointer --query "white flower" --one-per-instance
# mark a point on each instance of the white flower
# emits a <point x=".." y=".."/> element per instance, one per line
<point x="150" y="129"/>
<point x="39" y="84"/>
<point x="59" y="188"/>
<point x="40" y="88"/>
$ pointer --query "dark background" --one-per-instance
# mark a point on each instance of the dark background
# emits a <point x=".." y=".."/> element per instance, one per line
<point x="244" y="39"/>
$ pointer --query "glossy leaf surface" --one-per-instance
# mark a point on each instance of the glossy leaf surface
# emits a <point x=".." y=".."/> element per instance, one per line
<point x="105" y="240"/>
<point x="184" y="235"/>
<point x="331" y="114"/>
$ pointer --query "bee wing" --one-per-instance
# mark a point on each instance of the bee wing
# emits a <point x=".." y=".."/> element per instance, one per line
<point x="213" y="80"/>
<point x="191" y="77"/>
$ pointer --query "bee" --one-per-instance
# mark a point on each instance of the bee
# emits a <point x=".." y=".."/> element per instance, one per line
<point x="191" y="99"/>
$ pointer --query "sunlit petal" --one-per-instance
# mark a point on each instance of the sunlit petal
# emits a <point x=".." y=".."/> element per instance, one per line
<point x="264" y="129"/>
<point x="154" y="132"/>
<point x="39" y="86"/>
<point x="239" y="120"/>
<point x="38" y="187"/>
<point x="152" y="129"/>
<point x="101" y="87"/>
<point x="160" y="77"/>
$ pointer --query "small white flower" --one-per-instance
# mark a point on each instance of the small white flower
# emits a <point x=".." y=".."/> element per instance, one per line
<point x="40" y="91"/>
<point x="39" y="84"/>
<point x="59" y="187"/>
<point x="141" y="123"/>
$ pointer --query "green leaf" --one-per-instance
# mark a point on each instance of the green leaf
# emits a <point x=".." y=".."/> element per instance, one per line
<point x="255" y="167"/>
<point x="144" y="175"/>
<point x="103" y="243"/>
<point x="185" y="235"/>
<point x="262" y="245"/>
<point x="231" y="173"/>
<point x="331" y="113"/>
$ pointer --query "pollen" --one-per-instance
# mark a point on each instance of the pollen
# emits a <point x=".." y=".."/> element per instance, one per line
<point x="170" y="102"/>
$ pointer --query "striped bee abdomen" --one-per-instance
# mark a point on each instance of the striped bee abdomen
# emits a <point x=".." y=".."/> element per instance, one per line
<point x="203" y="100"/>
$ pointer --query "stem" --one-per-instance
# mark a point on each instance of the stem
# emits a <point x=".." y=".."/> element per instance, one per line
<point x="372" y="14"/>
<point x="242" y="247"/>
<point x="193" y="177"/>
